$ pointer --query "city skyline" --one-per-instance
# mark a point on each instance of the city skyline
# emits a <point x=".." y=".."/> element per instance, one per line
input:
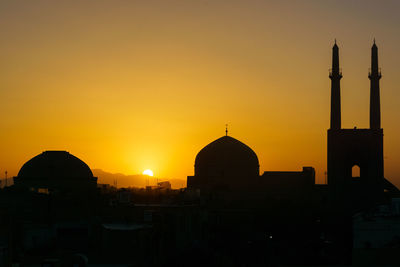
<point x="133" y="93"/>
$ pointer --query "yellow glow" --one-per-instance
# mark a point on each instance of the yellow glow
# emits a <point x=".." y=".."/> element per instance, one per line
<point x="148" y="172"/>
<point x="124" y="85"/>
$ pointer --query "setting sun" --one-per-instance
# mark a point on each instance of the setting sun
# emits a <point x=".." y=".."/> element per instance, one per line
<point x="148" y="172"/>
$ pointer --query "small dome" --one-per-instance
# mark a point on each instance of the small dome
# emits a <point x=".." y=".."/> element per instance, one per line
<point x="227" y="157"/>
<point x="55" y="165"/>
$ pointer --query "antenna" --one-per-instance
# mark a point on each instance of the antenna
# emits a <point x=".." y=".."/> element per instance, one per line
<point x="6" y="179"/>
<point x="226" y="129"/>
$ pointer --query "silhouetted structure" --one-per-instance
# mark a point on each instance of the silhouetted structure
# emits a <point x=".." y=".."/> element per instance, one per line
<point x="228" y="166"/>
<point x="247" y="216"/>
<point x="229" y="214"/>
<point x="335" y="75"/>
<point x="349" y="148"/>
<point x="223" y="164"/>
<point x="56" y="170"/>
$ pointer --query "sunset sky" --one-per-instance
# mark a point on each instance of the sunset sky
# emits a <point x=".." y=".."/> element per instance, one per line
<point x="134" y="85"/>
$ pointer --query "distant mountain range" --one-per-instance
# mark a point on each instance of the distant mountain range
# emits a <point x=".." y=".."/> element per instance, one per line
<point x="136" y="180"/>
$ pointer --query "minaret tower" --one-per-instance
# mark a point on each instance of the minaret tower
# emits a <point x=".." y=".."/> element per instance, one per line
<point x="335" y="75"/>
<point x="374" y="76"/>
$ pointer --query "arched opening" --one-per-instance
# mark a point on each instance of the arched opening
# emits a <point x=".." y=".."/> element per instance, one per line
<point x="355" y="171"/>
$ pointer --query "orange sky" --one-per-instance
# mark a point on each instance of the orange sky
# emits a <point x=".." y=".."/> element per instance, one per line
<point x="134" y="85"/>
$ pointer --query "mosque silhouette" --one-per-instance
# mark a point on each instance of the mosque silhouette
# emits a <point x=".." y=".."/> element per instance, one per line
<point x="229" y="165"/>
<point x="229" y="214"/>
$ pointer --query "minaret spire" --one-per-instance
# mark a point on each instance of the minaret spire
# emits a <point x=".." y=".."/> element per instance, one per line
<point x="335" y="75"/>
<point x="374" y="76"/>
<point x="226" y="129"/>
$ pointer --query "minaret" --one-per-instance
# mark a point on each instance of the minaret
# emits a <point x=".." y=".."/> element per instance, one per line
<point x="374" y="75"/>
<point x="335" y="74"/>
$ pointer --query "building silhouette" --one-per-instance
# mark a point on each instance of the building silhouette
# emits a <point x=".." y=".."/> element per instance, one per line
<point x="56" y="171"/>
<point x="356" y="148"/>
<point x="228" y="167"/>
<point x="56" y="214"/>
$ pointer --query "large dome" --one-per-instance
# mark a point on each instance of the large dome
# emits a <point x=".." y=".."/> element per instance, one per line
<point x="55" y="165"/>
<point x="226" y="157"/>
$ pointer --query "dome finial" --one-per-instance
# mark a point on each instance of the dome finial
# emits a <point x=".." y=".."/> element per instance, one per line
<point x="226" y="129"/>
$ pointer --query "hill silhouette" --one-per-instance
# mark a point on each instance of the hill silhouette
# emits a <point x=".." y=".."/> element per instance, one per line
<point x="135" y="180"/>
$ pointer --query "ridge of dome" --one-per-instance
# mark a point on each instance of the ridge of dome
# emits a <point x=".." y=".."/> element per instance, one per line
<point x="226" y="156"/>
<point x="55" y="164"/>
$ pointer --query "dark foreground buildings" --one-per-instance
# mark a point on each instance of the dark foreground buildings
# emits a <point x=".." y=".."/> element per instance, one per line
<point x="229" y="215"/>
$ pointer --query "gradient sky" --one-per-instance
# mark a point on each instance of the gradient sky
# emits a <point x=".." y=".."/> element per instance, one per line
<point x="134" y="85"/>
